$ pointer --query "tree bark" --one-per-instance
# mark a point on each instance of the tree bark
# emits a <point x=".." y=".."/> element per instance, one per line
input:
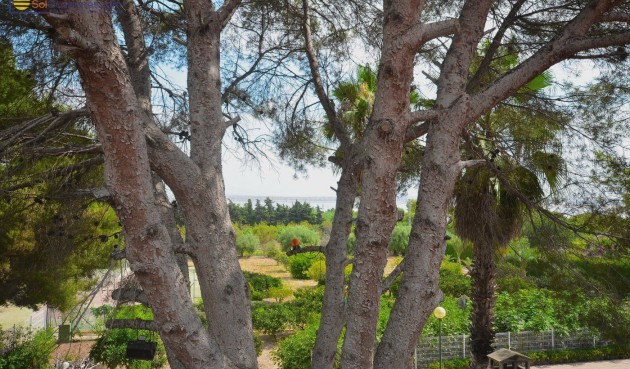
<point x="209" y="230"/>
<point x="419" y="291"/>
<point x="383" y="144"/>
<point x="334" y="307"/>
<point x="118" y="119"/>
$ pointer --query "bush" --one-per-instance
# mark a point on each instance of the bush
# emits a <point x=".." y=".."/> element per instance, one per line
<point x="453" y="282"/>
<point x="456" y="321"/>
<point x="512" y="278"/>
<point x="580" y="355"/>
<point x="307" y="304"/>
<point x="307" y="236"/>
<point x="111" y="346"/>
<point x="272" y="318"/>
<point x="554" y="357"/>
<point x="25" y="349"/>
<point x="351" y="244"/>
<point x="280" y="293"/>
<point x="261" y="284"/>
<point x="246" y="243"/>
<point x="300" y="263"/>
<point x="452" y="364"/>
<point x="294" y="352"/>
<point x="317" y="271"/>
<point x="400" y="239"/>
<point x="266" y="233"/>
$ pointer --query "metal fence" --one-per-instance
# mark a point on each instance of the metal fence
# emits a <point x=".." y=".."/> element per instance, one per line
<point x="453" y="347"/>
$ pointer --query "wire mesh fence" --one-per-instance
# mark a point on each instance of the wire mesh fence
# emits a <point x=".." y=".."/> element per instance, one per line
<point x="454" y="347"/>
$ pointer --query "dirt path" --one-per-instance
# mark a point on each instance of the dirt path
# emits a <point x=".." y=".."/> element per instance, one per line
<point x="264" y="360"/>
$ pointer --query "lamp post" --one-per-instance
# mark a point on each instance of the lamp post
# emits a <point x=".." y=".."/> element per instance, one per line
<point x="440" y="313"/>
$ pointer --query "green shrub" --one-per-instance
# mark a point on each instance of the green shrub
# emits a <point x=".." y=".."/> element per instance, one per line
<point x="512" y="278"/>
<point x="317" y="271"/>
<point x="280" y="293"/>
<point x="25" y="349"/>
<point x="307" y="304"/>
<point x="272" y="318"/>
<point x="351" y="243"/>
<point x="261" y="284"/>
<point x="307" y="236"/>
<point x="111" y="346"/>
<point x="258" y="343"/>
<point x="580" y="355"/>
<point x="400" y="239"/>
<point x="456" y="321"/>
<point x="271" y="250"/>
<point x="294" y="352"/>
<point x="300" y="263"/>
<point x="453" y="282"/>
<point x="266" y="233"/>
<point x="554" y="357"/>
<point x="452" y="364"/>
<point x="246" y="243"/>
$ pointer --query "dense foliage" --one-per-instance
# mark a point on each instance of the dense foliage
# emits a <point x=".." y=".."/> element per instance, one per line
<point x="250" y="213"/>
<point x="21" y="348"/>
<point x="261" y="285"/>
<point x="111" y="345"/>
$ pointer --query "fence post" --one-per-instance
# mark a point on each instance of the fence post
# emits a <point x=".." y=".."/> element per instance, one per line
<point x="464" y="345"/>
<point x="553" y="341"/>
<point x="509" y="341"/>
<point x="415" y="355"/>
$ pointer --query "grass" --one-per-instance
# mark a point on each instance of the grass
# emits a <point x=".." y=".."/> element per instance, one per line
<point x="12" y="315"/>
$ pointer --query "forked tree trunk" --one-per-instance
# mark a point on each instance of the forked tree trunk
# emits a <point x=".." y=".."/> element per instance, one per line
<point x="419" y="291"/>
<point x="118" y="119"/>
<point x="209" y="229"/>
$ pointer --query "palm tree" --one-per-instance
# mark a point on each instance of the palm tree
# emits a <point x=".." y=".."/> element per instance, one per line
<point x="488" y="210"/>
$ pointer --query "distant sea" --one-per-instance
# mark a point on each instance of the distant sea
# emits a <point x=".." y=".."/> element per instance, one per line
<point x="324" y="202"/>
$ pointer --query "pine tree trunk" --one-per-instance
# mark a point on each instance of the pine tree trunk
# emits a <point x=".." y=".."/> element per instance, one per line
<point x="334" y="307"/>
<point x="119" y="119"/>
<point x="419" y="291"/>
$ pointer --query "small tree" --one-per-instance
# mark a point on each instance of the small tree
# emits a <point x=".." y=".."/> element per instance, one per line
<point x="305" y="235"/>
<point x="247" y="243"/>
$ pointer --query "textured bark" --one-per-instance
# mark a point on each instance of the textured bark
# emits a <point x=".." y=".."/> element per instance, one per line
<point x="483" y="301"/>
<point x="333" y="307"/>
<point x="383" y="143"/>
<point x="209" y="230"/>
<point x="419" y="291"/>
<point x="118" y="119"/>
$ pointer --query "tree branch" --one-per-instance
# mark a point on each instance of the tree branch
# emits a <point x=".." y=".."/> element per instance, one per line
<point x="313" y="63"/>
<point x="226" y="11"/>
<point x="455" y="68"/>
<point x="564" y="45"/>
<point x="233" y="121"/>
<point x="470" y="163"/>
<point x="421" y="33"/>
<point x="305" y="249"/>
<point x="146" y="325"/>
<point x="616" y="17"/>
<point x="126" y="294"/>
<point x="494" y="46"/>
<point x="387" y="282"/>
